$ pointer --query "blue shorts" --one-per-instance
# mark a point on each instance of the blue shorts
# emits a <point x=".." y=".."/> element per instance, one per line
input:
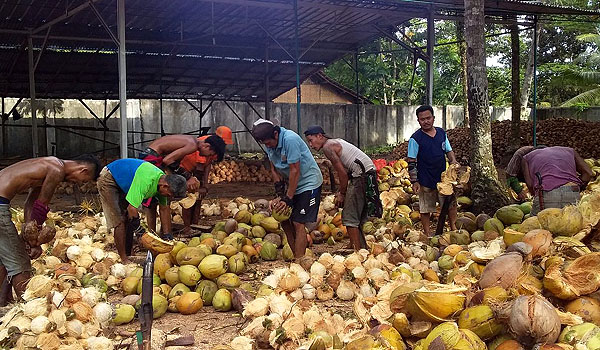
<point x="306" y="206"/>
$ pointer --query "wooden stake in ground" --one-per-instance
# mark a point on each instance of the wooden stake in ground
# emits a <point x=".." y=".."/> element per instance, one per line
<point x="487" y="192"/>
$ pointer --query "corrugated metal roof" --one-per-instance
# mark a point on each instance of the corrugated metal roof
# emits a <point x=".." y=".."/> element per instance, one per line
<point x="201" y="48"/>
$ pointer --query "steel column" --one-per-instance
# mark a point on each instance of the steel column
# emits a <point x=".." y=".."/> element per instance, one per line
<point x="122" y="76"/>
<point x="430" y="46"/>
<point x="3" y="143"/>
<point x="357" y="98"/>
<point x="34" y="130"/>
<point x="297" y="59"/>
<point x="267" y="93"/>
<point x="534" y="107"/>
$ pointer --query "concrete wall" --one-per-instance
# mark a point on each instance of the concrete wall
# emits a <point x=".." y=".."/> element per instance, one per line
<point x="378" y="125"/>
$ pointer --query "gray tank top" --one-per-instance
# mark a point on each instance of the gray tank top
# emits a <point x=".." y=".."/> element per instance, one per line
<point x="348" y="156"/>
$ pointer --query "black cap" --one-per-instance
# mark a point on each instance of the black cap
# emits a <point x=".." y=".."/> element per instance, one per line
<point x="263" y="131"/>
<point x="315" y="130"/>
<point x="218" y="145"/>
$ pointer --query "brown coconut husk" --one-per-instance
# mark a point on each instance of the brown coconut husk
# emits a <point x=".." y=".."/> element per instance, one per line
<point x="503" y="270"/>
<point x="581" y="277"/>
<point x="533" y="320"/>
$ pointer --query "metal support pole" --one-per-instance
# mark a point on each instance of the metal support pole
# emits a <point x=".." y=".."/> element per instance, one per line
<point x="430" y="46"/>
<point x="534" y="110"/>
<point x="3" y="144"/>
<point x="267" y="92"/>
<point x="357" y="99"/>
<point x="122" y="76"/>
<point x="34" y="130"/>
<point x="297" y="43"/>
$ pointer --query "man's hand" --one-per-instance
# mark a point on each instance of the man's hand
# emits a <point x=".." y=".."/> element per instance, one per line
<point x="132" y="212"/>
<point x="34" y="252"/>
<point x="193" y="184"/>
<point x="339" y="199"/>
<point x="522" y="196"/>
<point x="416" y="187"/>
<point x="134" y="226"/>
<point x="281" y="203"/>
<point x="455" y="162"/>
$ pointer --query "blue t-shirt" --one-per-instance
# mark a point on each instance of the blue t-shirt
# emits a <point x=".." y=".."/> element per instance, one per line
<point x="430" y="153"/>
<point x="138" y="179"/>
<point x="291" y="149"/>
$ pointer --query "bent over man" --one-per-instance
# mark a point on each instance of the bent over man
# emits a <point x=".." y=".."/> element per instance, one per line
<point x="358" y="193"/>
<point x="40" y="176"/>
<point x="123" y="185"/>
<point x="167" y="153"/>
<point x="292" y="162"/>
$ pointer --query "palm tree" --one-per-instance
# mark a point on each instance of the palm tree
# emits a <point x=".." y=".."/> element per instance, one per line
<point x="588" y="80"/>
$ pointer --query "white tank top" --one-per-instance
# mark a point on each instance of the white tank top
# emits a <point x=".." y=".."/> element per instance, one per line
<point x="348" y="156"/>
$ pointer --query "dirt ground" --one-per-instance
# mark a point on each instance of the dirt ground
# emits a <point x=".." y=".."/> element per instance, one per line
<point x="209" y="327"/>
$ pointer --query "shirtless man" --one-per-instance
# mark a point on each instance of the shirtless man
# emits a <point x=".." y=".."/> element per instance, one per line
<point x="167" y="153"/>
<point x="40" y="176"/>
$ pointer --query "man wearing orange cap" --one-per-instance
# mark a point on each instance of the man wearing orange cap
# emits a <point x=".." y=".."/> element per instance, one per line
<point x="200" y="167"/>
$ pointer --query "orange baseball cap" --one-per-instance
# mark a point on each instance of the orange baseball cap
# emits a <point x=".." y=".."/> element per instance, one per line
<point x="225" y="133"/>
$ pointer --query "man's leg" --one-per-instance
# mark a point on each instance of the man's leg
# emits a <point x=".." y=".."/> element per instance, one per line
<point x="186" y="216"/>
<point x="120" y="233"/>
<point x="425" y="222"/>
<point x="5" y="288"/>
<point x="19" y="283"/>
<point x="301" y="242"/>
<point x="452" y="214"/>
<point x="354" y="235"/>
<point x="290" y="232"/>
<point x="151" y="216"/>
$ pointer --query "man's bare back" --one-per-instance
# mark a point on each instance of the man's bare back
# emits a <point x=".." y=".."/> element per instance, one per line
<point x="28" y="174"/>
<point x="168" y="144"/>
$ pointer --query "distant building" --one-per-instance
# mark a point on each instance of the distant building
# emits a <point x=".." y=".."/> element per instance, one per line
<point x="319" y="88"/>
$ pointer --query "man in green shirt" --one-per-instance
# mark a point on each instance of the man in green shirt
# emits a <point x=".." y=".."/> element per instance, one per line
<point x="123" y="185"/>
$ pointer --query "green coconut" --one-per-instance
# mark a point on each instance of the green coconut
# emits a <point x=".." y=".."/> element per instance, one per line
<point x="494" y="224"/>
<point x="189" y="275"/>
<point x="123" y="313"/>
<point x="268" y="251"/>
<point x="190" y="256"/>
<point x="228" y="281"/>
<point x="207" y="290"/>
<point x="172" y="276"/>
<point x="214" y="266"/>
<point x="222" y="300"/>
<point x="510" y="214"/>
<point x="177" y="290"/>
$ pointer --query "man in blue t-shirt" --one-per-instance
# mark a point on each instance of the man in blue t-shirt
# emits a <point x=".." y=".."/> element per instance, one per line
<point x="428" y="148"/>
<point x="291" y="160"/>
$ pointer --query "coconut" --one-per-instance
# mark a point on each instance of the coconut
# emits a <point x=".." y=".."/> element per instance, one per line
<point x="345" y="290"/>
<point x="466" y="223"/>
<point x="161" y="264"/>
<point x="124" y="313"/>
<point x="586" y="307"/>
<point x="584" y="336"/>
<point x="189" y="303"/>
<point x="539" y="240"/>
<point x="207" y="290"/>
<point x="189" y="275"/>
<point x="172" y="276"/>
<point x="324" y="292"/>
<point x="434" y="302"/>
<point x="35" y="307"/>
<point x="268" y="251"/>
<point x="178" y="290"/>
<point x="38" y="286"/>
<point x="493" y="224"/>
<point x="480" y="319"/>
<point x="83" y="312"/>
<point x="502" y="271"/>
<point x="228" y="281"/>
<point x="270" y="224"/>
<point x="448" y="336"/>
<point x="222" y="300"/>
<point x="213" y="266"/>
<point x="189" y="256"/>
<point x="533" y="319"/>
<point x="581" y="277"/>
<point x="561" y="222"/>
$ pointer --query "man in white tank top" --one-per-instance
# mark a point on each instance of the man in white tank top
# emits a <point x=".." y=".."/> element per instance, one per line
<point x="352" y="167"/>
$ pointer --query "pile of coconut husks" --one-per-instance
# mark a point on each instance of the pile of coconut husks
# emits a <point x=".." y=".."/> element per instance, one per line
<point x="507" y="281"/>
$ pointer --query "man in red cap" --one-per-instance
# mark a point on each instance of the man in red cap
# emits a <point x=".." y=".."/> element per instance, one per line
<point x="200" y="166"/>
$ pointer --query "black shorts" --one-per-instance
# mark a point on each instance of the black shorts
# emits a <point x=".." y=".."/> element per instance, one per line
<point x="306" y="206"/>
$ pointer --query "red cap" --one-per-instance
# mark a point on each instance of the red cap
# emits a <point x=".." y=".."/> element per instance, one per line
<point x="225" y="133"/>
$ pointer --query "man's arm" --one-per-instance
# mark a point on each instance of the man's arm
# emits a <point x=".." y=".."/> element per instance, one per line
<point x="451" y="157"/>
<point x="165" y="219"/>
<point x="331" y="152"/>
<point x="274" y="173"/>
<point x="293" y="180"/>
<point x="179" y="153"/>
<point x="583" y="169"/>
<point x="31" y="197"/>
<point x="39" y="208"/>
<point x="527" y="176"/>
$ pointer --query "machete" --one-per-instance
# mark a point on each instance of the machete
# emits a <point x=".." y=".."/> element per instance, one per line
<point x="146" y="313"/>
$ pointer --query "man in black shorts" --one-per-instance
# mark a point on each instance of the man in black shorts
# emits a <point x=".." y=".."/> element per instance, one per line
<point x="292" y="162"/>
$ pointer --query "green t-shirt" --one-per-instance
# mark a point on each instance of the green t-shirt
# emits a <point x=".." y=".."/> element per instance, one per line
<point x="145" y="185"/>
